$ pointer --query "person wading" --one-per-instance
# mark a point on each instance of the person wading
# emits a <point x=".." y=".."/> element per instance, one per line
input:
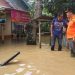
<point x="57" y="26"/>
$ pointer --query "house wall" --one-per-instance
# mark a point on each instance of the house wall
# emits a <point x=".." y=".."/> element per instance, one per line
<point x="7" y="28"/>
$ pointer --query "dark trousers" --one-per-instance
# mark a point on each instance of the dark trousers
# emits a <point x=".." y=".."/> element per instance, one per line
<point x="53" y="40"/>
<point x="72" y="46"/>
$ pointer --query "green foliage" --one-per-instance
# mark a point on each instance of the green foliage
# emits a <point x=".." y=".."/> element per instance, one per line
<point x="50" y="7"/>
<point x="45" y="27"/>
<point x="54" y="6"/>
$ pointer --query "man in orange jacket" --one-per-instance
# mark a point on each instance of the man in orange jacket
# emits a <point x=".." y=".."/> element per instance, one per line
<point x="71" y="30"/>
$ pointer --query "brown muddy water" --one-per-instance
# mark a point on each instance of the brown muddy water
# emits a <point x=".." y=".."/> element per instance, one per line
<point x="36" y="61"/>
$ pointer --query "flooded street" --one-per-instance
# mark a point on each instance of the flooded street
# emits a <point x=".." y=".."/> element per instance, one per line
<point x="36" y="61"/>
<point x="24" y="23"/>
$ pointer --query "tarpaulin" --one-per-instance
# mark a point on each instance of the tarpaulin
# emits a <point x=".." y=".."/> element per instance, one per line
<point x="20" y="16"/>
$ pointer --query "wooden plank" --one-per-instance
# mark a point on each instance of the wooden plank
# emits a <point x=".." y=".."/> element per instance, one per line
<point x="9" y="59"/>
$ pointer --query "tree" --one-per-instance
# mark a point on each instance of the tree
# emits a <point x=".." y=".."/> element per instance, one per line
<point x="54" y="6"/>
<point x="37" y="13"/>
<point x="38" y="8"/>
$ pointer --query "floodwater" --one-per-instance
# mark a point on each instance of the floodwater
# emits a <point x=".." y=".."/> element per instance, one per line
<point x="36" y="61"/>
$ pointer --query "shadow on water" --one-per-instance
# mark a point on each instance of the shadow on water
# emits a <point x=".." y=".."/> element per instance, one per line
<point x="14" y="63"/>
<point x="13" y="41"/>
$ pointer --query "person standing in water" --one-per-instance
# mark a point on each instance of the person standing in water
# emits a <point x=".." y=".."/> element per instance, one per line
<point x="71" y="30"/>
<point x="57" y="31"/>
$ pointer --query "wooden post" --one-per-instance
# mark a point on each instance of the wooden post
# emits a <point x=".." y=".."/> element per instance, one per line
<point x="2" y="31"/>
<point x="39" y="34"/>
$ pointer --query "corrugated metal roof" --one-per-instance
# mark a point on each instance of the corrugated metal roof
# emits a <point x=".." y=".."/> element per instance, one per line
<point x="18" y="4"/>
<point x="4" y="4"/>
